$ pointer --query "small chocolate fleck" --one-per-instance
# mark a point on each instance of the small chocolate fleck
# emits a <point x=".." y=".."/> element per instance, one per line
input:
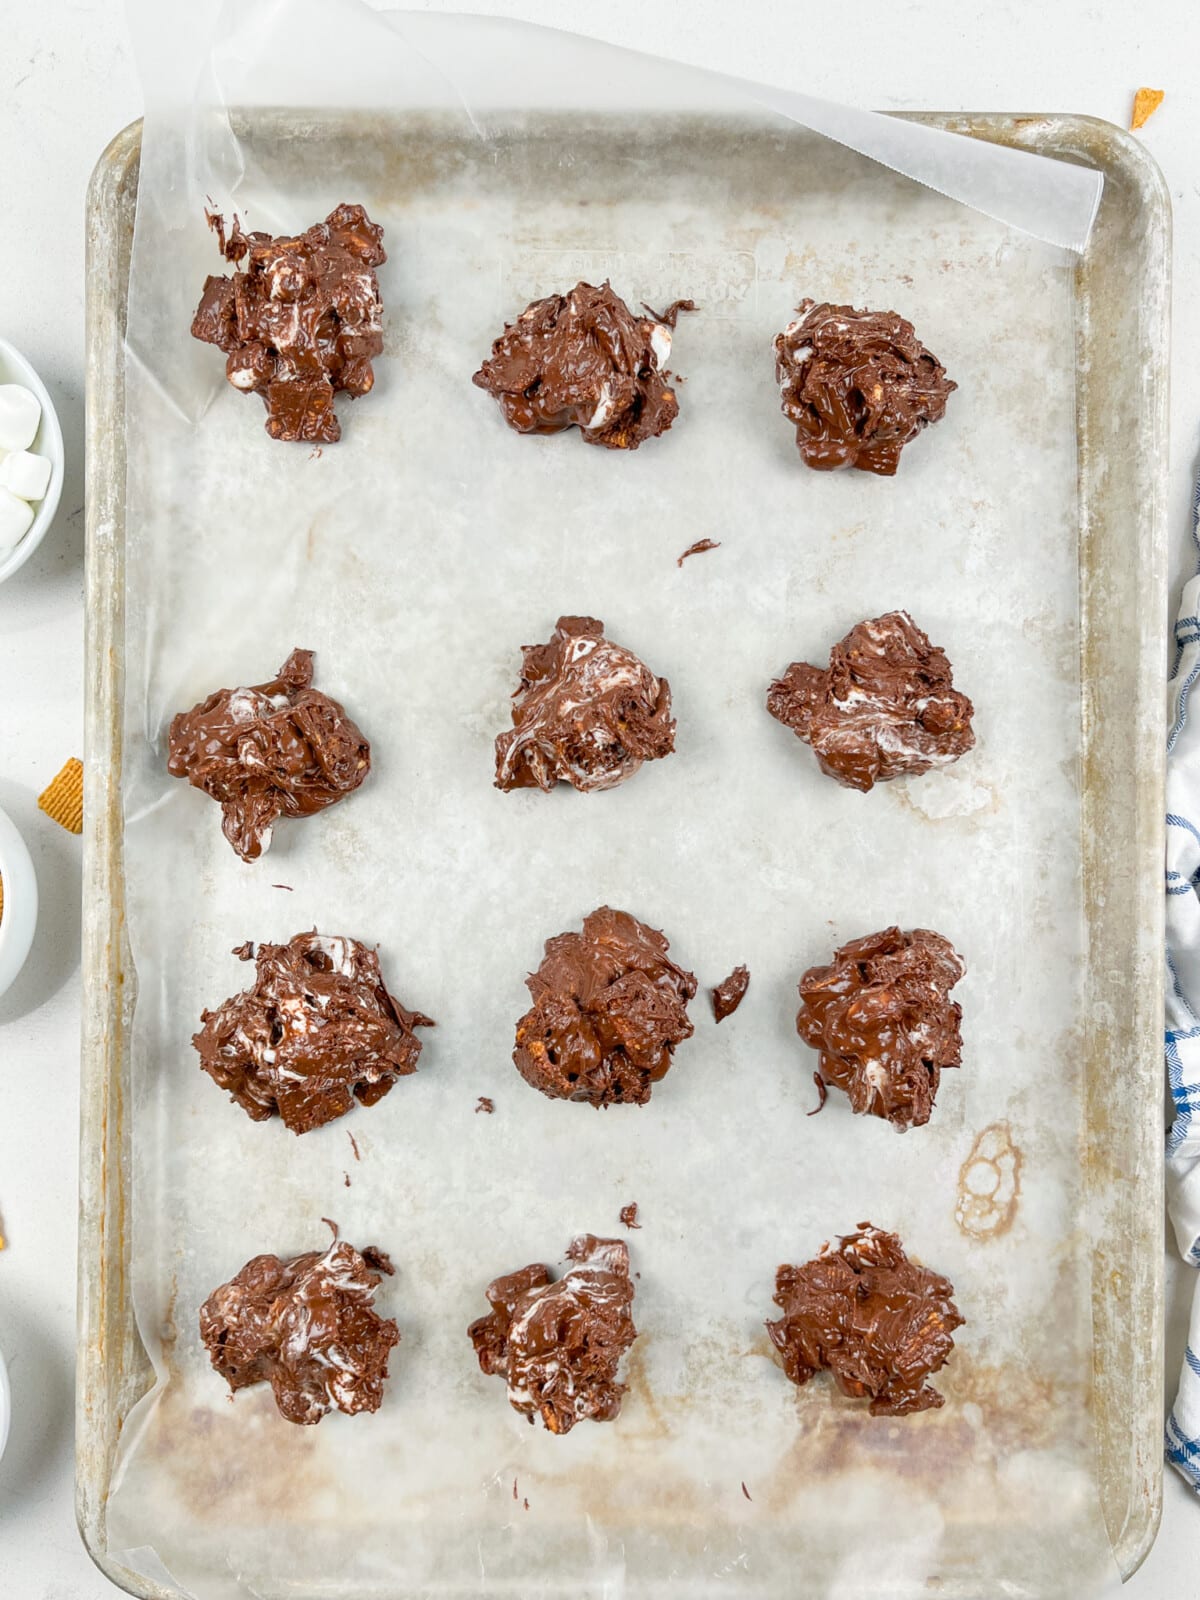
<point x="378" y="1260"/>
<point x="214" y="220"/>
<point x="670" y="316"/>
<point x="629" y="1215"/>
<point x="353" y="1145"/>
<point x="485" y="1104"/>
<point x="729" y="994"/>
<point x="700" y="546"/>
<point x="346" y="1175"/>
<point x="286" y="886"/>
<point x="822" y="1092"/>
<point x="746" y="1491"/>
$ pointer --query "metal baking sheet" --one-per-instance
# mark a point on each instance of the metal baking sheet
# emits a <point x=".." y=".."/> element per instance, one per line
<point x="1107" y="675"/>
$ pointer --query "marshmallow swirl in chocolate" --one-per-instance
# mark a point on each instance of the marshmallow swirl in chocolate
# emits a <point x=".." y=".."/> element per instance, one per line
<point x="886" y="706"/>
<point x="308" y="1327"/>
<point x="277" y="749"/>
<point x="587" y="712"/>
<point x="316" y="1033"/>
<point x="558" y="1345"/>
<point x="302" y="323"/>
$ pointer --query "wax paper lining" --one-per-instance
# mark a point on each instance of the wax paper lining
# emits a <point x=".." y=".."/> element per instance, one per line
<point x="415" y="557"/>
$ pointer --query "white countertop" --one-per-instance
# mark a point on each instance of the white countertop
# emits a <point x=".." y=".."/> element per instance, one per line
<point x="67" y="84"/>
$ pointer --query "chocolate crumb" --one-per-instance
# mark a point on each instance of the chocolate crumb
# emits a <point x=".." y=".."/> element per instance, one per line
<point x="700" y="546"/>
<point x="353" y="1145"/>
<point x="485" y="1105"/>
<point x="216" y="222"/>
<point x="378" y="1260"/>
<point x="746" y="1491"/>
<point x="629" y="1215"/>
<point x="822" y="1092"/>
<point x="286" y="886"/>
<point x="729" y="994"/>
<point x="516" y="1496"/>
<point x="346" y="1175"/>
<point x="527" y="1505"/>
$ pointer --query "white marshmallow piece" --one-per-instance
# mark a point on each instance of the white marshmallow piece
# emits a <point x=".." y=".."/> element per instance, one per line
<point x="25" y="475"/>
<point x="16" y="518"/>
<point x="20" y="414"/>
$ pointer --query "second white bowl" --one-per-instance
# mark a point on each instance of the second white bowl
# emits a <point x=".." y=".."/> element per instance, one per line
<point x="5" y="1405"/>
<point x="49" y="443"/>
<point x="19" y="917"/>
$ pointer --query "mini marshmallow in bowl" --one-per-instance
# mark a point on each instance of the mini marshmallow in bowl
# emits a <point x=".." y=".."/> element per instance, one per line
<point x="31" y="460"/>
<point x="26" y="475"/>
<point x="20" y="416"/>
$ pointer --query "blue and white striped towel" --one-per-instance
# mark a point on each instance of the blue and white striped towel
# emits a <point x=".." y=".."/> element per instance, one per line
<point x="1182" y="1034"/>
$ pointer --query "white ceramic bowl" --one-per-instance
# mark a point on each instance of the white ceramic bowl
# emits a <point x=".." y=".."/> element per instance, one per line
<point x="20" y="902"/>
<point x="5" y="1405"/>
<point x="49" y="442"/>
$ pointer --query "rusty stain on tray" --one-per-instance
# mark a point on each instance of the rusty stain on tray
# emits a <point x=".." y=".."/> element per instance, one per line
<point x="203" y="1445"/>
<point x="988" y="1410"/>
<point x="989" y="1184"/>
